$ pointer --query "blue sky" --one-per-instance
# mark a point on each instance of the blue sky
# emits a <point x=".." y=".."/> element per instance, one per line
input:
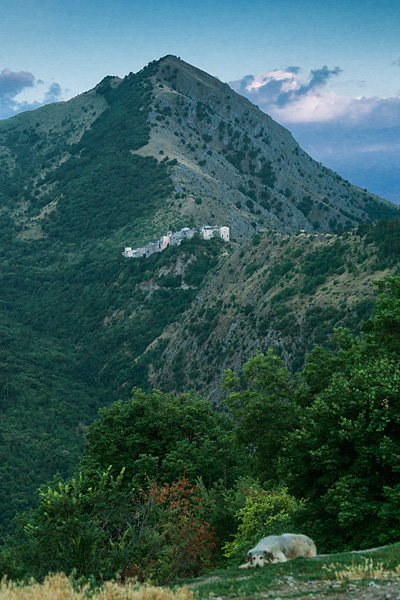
<point x="330" y="72"/>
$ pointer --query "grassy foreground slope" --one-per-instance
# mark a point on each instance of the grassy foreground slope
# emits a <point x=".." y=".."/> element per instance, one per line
<point x="367" y="576"/>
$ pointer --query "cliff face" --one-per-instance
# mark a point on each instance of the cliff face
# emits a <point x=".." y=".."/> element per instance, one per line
<point x="283" y="291"/>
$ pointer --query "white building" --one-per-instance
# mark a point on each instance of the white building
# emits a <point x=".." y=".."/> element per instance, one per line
<point x="175" y="239"/>
<point x="188" y="233"/>
<point x="224" y="233"/>
<point x="207" y="232"/>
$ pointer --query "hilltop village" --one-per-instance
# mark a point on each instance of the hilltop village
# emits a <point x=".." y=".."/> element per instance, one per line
<point x="175" y="239"/>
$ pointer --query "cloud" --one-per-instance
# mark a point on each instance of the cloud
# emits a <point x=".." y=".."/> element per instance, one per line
<point x="288" y="99"/>
<point x="283" y="92"/>
<point x="293" y="69"/>
<point x="53" y="93"/>
<point x="14" y="85"/>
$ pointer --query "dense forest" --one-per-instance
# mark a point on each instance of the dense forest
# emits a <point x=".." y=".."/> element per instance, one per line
<point x="165" y="476"/>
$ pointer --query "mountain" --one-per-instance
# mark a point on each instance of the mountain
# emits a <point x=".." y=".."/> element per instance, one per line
<point x="178" y="141"/>
<point x="119" y="165"/>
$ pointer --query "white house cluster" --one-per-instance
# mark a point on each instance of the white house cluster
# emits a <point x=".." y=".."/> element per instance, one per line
<point x="174" y="239"/>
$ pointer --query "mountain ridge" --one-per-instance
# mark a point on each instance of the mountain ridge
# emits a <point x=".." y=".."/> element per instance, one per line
<point x="232" y="161"/>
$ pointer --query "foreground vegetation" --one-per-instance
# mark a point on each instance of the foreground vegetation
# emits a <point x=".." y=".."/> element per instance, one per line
<point x="168" y="486"/>
<point x="337" y="576"/>
<point x="61" y="588"/>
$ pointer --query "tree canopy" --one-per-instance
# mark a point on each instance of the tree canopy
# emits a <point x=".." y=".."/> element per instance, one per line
<point x="332" y="434"/>
<point x="158" y="436"/>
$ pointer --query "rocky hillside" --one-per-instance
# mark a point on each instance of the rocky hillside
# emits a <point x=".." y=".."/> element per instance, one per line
<point x="281" y="291"/>
<point x="239" y="166"/>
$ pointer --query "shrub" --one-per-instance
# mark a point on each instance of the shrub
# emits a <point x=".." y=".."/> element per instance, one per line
<point x="265" y="513"/>
<point x="179" y="540"/>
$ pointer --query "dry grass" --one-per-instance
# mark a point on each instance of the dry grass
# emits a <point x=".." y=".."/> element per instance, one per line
<point x="366" y="570"/>
<point x="58" y="587"/>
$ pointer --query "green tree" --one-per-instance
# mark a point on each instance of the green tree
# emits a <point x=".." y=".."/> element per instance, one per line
<point x="262" y="404"/>
<point x="158" y="436"/>
<point x="129" y="497"/>
<point x="344" y="453"/>
<point x="104" y="528"/>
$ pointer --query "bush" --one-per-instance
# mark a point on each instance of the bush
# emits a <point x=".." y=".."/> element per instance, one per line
<point x="265" y="513"/>
<point x="179" y="541"/>
<point x="102" y="527"/>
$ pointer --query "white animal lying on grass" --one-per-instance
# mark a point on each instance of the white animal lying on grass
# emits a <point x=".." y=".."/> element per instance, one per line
<point x="279" y="548"/>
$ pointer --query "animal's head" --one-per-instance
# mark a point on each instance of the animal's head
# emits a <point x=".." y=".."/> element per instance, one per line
<point x="260" y="558"/>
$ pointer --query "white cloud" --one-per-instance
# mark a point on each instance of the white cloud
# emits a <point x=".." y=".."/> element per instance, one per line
<point x="287" y="98"/>
<point x="20" y="91"/>
<point x="313" y="107"/>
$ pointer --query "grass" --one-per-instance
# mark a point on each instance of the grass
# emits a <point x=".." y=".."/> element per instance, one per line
<point x="59" y="587"/>
<point x="367" y="570"/>
<point x="382" y="564"/>
<point x="326" y="574"/>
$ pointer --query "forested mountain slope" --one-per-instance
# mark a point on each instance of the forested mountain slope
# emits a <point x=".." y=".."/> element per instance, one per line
<point x="119" y="165"/>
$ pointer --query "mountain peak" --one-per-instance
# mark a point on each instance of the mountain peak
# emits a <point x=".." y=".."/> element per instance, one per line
<point x="234" y="161"/>
<point x="218" y="157"/>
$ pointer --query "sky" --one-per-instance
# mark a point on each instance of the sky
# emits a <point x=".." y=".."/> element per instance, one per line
<point x="329" y="72"/>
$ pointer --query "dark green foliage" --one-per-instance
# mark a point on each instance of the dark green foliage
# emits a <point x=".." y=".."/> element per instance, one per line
<point x="333" y="434"/>
<point x="46" y="396"/>
<point x="101" y="527"/>
<point x="261" y="403"/>
<point x="205" y="260"/>
<point x="321" y="263"/>
<point x="305" y="205"/>
<point x="236" y="158"/>
<point x="267" y="175"/>
<point x="157" y="436"/>
<point x="385" y="235"/>
<point x="103" y="168"/>
<point x="118" y="511"/>
<point x="69" y="346"/>
<point x="345" y="451"/>
<point x="379" y="211"/>
<point x="320" y="322"/>
<point x="277" y="272"/>
<point x="251" y="268"/>
<point x="287" y="325"/>
<point x="284" y="295"/>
